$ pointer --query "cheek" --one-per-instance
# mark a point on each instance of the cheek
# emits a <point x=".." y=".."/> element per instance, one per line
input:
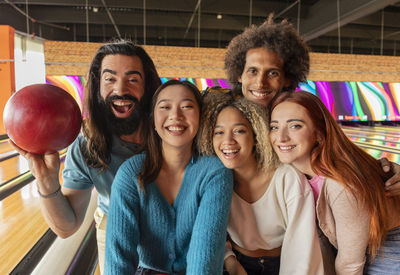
<point x="195" y="120"/>
<point x="248" y="142"/>
<point x="215" y="144"/>
<point x="103" y="90"/>
<point x="272" y="137"/>
<point x="141" y="92"/>
<point x="157" y="120"/>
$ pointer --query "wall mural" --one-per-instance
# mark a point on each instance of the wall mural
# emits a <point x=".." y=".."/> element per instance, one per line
<point x="347" y="101"/>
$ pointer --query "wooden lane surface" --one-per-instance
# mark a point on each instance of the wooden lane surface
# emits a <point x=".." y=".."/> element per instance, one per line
<point x="21" y="225"/>
<point x="5" y="147"/>
<point x="12" y="167"/>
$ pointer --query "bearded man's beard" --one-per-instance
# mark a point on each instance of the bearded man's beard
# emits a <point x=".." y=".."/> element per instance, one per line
<point x="123" y="126"/>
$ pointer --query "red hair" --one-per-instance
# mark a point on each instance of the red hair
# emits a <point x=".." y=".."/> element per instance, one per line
<point x="336" y="157"/>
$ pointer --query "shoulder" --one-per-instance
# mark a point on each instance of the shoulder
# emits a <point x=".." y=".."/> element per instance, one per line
<point x="75" y="154"/>
<point x="335" y="191"/>
<point x="286" y="173"/>
<point x="208" y="165"/>
<point x="76" y="145"/>
<point x="292" y="181"/>
<point x="128" y="171"/>
<point x="206" y="170"/>
<point x="134" y="163"/>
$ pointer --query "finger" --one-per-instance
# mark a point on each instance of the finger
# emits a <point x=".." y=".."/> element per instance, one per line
<point x="17" y="148"/>
<point x="393" y="180"/>
<point x="392" y="193"/>
<point x="386" y="164"/>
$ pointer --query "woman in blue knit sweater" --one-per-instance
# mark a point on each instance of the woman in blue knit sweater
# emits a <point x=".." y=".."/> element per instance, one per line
<point x="169" y="207"/>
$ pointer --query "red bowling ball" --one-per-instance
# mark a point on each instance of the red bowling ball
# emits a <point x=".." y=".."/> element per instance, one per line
<point x="42" y="118"/>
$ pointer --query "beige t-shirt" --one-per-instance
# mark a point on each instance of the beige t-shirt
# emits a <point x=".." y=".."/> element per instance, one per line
<point x="283" y="216"/>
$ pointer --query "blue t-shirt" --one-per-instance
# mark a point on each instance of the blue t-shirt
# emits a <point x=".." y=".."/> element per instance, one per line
<point x="77" y="175"/>
<point x="189" y="235"/>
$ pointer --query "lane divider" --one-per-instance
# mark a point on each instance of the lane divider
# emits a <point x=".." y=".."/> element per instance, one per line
<point x="9" y="187"/>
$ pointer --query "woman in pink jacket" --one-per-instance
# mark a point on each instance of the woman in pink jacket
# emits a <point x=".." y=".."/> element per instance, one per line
<point x="353" y="212"/>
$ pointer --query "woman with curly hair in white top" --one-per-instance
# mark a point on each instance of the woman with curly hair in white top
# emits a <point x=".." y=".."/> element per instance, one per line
<point x="271" y="225"/>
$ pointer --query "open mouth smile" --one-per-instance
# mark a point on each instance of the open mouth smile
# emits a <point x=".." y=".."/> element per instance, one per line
<point x="230" y="153"/>
<point x="176" y="129"/>
<point x="260" y="94"/>
<point x="122" y="108"/>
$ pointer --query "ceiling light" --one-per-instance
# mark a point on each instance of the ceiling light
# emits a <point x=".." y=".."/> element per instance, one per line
<point x="219" y="16"/>
<point x="95" y="9"/>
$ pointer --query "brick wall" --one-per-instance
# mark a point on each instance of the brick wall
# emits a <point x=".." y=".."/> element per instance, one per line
<point x="73" y="58"/>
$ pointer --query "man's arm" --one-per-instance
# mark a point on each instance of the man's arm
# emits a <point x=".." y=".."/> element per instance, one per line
<point x="392" y="185"/>
<point x="63" y="211"/>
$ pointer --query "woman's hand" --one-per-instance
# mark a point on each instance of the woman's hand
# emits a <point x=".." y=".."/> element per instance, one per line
<point x="233" y="266"/>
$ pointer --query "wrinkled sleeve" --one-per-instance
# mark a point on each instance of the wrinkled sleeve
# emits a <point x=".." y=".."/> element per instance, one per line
<point x="75" y="173"/>
<point x="207" y="244"/>
<point x="122" y="234"/>
<point x="352" y="227"/>
<point x="301" y="252"/>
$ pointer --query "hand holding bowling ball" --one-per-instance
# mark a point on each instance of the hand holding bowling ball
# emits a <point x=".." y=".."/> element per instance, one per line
<point x="42" y="118"/>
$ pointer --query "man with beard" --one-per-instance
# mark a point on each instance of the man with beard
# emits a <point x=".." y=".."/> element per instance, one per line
<point x="121" y="81"/>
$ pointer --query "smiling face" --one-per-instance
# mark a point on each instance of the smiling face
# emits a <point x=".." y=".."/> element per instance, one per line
<point x="233" y="139"/>
<point x="292" y="135"/>
<point x="122" y="86"/>
<point x="122" y="83"/>
<point x="263" y="76"/>
<point x="176" y="116"/>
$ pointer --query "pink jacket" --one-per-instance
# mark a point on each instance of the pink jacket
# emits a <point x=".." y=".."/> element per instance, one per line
<point x="346" y="225"/>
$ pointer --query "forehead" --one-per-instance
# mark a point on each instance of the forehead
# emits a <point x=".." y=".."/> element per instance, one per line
<point x="176" y="93"/>
<point x="231" y="115"/>
<point x="263" y="57"/>
<point x="122" y="63"/>
<point x="289" y="110"/>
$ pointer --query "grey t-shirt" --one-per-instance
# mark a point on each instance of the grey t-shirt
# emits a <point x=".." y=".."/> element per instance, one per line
<point x="77" y="175"/>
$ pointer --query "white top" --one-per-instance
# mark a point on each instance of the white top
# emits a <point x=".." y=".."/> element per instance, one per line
<point x="283" y="216"/>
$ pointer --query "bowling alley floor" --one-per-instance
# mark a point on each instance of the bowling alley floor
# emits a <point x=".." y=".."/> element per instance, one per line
<point x="22" y="224"/>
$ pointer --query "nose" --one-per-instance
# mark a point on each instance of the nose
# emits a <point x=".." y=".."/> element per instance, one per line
<point x="283" y="135"/>
<point x="120" y="87"/>
<point x="175" y="113"/>
<point x="262" y="80"/>
<point x="228" y="139"/>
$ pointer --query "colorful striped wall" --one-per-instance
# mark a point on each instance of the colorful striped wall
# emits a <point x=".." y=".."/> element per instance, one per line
<point x="355" y="101"/>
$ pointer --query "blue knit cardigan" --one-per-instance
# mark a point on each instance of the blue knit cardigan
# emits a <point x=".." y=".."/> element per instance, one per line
<point x="187" y="236"/>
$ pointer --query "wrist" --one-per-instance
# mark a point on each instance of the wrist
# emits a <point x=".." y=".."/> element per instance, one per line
<point x="50" y="195"/>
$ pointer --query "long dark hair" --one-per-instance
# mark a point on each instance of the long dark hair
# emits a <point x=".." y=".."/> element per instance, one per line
<point x="153" y="150"/>
<point x="98" y="133"/>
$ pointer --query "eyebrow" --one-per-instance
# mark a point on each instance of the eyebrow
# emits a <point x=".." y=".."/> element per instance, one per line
<point x="237" y="124"/>
<point x="289" y="120"/>
<point x="167" y="100"/>
<point x="126" y="73"/>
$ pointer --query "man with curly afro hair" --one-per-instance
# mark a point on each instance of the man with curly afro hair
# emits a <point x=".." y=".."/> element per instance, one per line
<point x="267" y="59"/>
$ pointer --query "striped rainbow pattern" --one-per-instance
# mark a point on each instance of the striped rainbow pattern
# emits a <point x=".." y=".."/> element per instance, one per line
<point x="357" y="101"/>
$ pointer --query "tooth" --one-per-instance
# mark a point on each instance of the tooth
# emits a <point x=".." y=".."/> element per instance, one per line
<point x="175" y="128"/>
<point x="229" y="151"/>
<point x="119" y="103"/>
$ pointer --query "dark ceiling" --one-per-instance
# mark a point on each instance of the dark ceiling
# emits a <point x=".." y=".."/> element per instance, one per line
<point x="366" y="26"/>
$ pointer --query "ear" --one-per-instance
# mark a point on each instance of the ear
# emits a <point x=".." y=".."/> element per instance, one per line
<point x="240" y="78"/>
<point x="287" y="83"/>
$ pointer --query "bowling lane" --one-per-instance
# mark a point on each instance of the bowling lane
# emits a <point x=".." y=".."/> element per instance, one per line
<point x="377" y="141"/>
<point x="12" y="168"/>
<point x="22" y="225"/>
<point x="5" y="147"/>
